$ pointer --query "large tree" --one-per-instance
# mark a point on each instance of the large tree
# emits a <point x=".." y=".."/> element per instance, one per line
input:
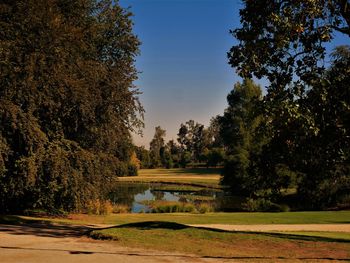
<point x="284" y="41"/>
<point x="67" y="100"/>
<point x="238" y="130"/>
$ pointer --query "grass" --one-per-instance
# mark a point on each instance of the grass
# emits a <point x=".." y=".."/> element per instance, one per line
<point x="320" y="217"/>
<point x="331" y="236"/>
<point x="167" y="232"/>
<point x="180" y="188"/>
<point x="190" y="176"/>
<point x="174" y="237"/>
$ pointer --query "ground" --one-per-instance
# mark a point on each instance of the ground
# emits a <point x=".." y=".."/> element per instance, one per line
<point x="317" y="236"/>
<point x="46" y="241"/>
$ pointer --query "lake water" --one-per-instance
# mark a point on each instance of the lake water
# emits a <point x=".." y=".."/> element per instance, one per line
<point x="135" y="194"/>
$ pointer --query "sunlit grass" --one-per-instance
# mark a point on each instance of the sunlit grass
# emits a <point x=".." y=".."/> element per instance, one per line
<point x="322" y="217"/>
<point x="192" y="176"/>
<point x="167" y="236"/>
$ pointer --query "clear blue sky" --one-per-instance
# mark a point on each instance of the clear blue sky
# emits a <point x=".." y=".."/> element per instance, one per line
<point x="183" y="63"/>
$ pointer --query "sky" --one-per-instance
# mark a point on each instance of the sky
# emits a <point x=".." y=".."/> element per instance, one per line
<point x="184" y="71"/>
<point x="183" y="66"/>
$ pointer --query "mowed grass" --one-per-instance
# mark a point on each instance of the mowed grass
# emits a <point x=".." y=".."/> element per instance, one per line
<point x="319" y="217"/>
<point x="193" y="176"/>
<point x="173" y="237"/>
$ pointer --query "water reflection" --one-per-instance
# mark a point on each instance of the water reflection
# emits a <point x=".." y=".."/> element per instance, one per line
<point x="134" y="194"/>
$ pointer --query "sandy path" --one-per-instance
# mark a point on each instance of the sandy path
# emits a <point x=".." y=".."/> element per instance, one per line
<point x="281" y="227"/>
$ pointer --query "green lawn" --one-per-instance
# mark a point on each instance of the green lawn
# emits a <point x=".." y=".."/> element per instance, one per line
<point x="167" y="236"/>
<point x="321" y="217"/>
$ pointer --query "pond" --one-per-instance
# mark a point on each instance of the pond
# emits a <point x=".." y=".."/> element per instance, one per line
<point x="137" y="196"/>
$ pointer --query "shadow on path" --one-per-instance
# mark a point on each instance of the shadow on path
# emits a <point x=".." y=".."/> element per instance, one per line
<point x="137" y="254"/>
<point x="44" y="229"/>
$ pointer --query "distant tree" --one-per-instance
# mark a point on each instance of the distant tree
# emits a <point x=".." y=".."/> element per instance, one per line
<point x="214" y="139"/>
<point x="174" y="149"/>
<point x="193" y="139"/>
<point x="144" y="156"/>
<point x="157" y="147"/>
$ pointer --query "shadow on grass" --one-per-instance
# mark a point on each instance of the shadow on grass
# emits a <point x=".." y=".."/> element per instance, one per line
<point x="150" y="225"/>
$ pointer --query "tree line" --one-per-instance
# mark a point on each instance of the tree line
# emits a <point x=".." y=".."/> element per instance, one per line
<point x="195" y="145"/>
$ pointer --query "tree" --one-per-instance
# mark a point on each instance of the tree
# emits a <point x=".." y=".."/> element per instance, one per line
<point x="214" y="156"/>
<point x="157" y="146"/>
<point x="325" y="160"/>
<point x="284" y="41"/>
<point x="192" y="138"/>
<point x="144" y="156"/>
<point x="67" y="100"/>
<point x="238" y="128"/>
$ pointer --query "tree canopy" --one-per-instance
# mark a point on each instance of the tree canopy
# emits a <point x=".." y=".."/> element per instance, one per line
<point x="67" y="100"/>
<point x="306" y="108"/>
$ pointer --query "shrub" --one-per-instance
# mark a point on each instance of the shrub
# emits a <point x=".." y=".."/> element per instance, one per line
<point x="99" y="207"/>
<point x="263" y="205"/>
<point x="171" y="207"/>
<point x="132" y="170"/>
<point x="205" y="207"/>
<point x="121" y="209"/>
<point x="121" y="169"/>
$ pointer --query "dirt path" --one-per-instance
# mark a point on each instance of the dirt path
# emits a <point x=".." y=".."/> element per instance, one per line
<point x="44" y="243"/>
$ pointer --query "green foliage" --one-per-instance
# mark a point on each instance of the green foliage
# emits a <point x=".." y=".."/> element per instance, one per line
<point x="238" y="130"/>
<point x="144" y="156"/>
<point x="67" y="101"/>
<point x="132" y="170"/>
<point x="157" y="147"/>
<point x="186" y="158"/>
<point x="214" y="156"/>
<point x="263" y="205"/>
<point x="306" y="109"/>
<point x="171" y="207"/>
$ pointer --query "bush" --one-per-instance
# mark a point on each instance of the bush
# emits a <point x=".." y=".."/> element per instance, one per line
<point x="121" y="209"/>
<point x="204" y="207"/>
<point x="171" y="207"/>
<point x="121" y="169"/>
<point x="263" y="205"/>
<point x="99" y="207"/>
<point x="132" y="170"/>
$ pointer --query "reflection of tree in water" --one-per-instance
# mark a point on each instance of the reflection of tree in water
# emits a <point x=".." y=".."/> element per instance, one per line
<point x="124" y="193"/>
<point x="159" y="195"/>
